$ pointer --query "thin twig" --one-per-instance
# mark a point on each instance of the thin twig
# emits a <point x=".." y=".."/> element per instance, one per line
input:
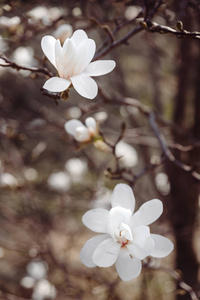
<point x="17" y="67"/>
<point x="166" y="151"/>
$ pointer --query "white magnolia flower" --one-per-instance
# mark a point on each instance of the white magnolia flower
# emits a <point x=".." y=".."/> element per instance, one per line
<point x="73" y="63"/>
<point x="79" y="131"/>
<point x="126" y="237"/>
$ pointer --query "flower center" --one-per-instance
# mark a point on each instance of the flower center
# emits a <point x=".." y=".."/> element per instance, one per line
<point x="124" y="234"/>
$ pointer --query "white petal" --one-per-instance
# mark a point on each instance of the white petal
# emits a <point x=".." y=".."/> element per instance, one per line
<point x="147" y="213"/>
<point x="56" y="84"/>
<point x="70" y="57"/>
<point x="163" y="246"/>
<point x="72" y="125"/>
<point x="100" y="67"/>
<point x="89" y="248"/>
<point x="91" y="123"/>
<point x="96" y="220"/>
<point x="82" y="134"/>
<point x="118" y="215"/>
<point x="79" y="36"/>
<point x="85" y="53"/>
<point x="106" y="253"/>
<point x="85" y="86"/>
<point x="127" y="266"/>
<point x="123" y="196"/>
<point x="140" y="235"/>
<point x="141" y="253"/>
<point x="48" y="47"/>
<point x="59" y="58"/>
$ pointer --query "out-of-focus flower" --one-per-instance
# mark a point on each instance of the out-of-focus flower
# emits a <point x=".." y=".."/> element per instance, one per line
<point x="44" y="290"/>
<point x="27" y="282"/>
<point x="127" y="154"/>
<point x="162" y="183"/>
<point x="37" y="269"/>
<point x="126" y="237"/>
<point x="132" y="12"/>
<point x="73" y="63"/>
<point x="77" y="168"/>
<point x="80" y="132"/>
<point x="63" y="32"/>
<point x="25" y="57"/>
<point x="8" y="180"/>
<point x="44" y="14"/>
<point x="59" y="181"/>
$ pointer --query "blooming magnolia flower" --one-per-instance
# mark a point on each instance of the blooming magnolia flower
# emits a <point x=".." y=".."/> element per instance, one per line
<point x="79" y="131"/>
<point x="126" y="237"/>
<point x="73" y="63"/>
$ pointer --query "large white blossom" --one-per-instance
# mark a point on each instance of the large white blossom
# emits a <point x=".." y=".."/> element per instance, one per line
<point x="126" y="237"/>
<point x="79" y="131"/>
<point x="73" y="63"/>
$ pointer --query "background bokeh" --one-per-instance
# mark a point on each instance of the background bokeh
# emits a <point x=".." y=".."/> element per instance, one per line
<point x="47" y="182"/>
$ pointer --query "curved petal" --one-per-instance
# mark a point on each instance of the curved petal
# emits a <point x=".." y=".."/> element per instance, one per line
<point x="72" y="125"/>
<point x="147" y="213"/>
<point x="48" y="47"/>
<point x="118" y="215"/>
<point x="85" y="86"/>
<point x="91" y="123"/>
<point x="82" y="134"/>
<point x="140" y="235"/>
<point x="163" y="246"/>
<point x="123" y="196"/>
<point x="59" y="57"/>
<point x="78" y="37"/>
<point x="100" y="67"/>
<point x="56" y="84"/>
<point x="141" y="253"/>
<point x="106" y="253"/>
<point x="127" y="266"/>
<point x="97" y="220"/>
<point x="89" y="248"/>
<point x="70" y="56"/>
<point x="85" y="53"/>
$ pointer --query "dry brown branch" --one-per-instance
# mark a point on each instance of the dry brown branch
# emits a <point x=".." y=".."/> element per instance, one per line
<point x="13" y="65"/>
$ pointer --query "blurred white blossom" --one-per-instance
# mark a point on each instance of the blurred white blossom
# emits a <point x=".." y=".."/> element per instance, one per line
<point x="8" y="180"/>
<point x="44" y="14"/>
<point x="63" y="32"/>
<point x="162" y="183"/>
<point x="132" y="12"/>
<point x="59" y="181"/>
<point x="27" y="282"/>
<point x="73" y="63"/>
<point x="37" y="269"/>
<point x="77" y="168"/>
<point x="79" y="131"/>
<point x="128" y="155"/>
<point x="44" y="290"/>
<point x="125" y="237"/>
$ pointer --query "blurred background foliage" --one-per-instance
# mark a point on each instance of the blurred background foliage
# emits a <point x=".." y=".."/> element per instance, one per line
<point x="47" y="183"/>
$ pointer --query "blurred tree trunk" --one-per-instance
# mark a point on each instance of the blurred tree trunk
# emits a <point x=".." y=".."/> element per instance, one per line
<point x="183" y="203"/>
